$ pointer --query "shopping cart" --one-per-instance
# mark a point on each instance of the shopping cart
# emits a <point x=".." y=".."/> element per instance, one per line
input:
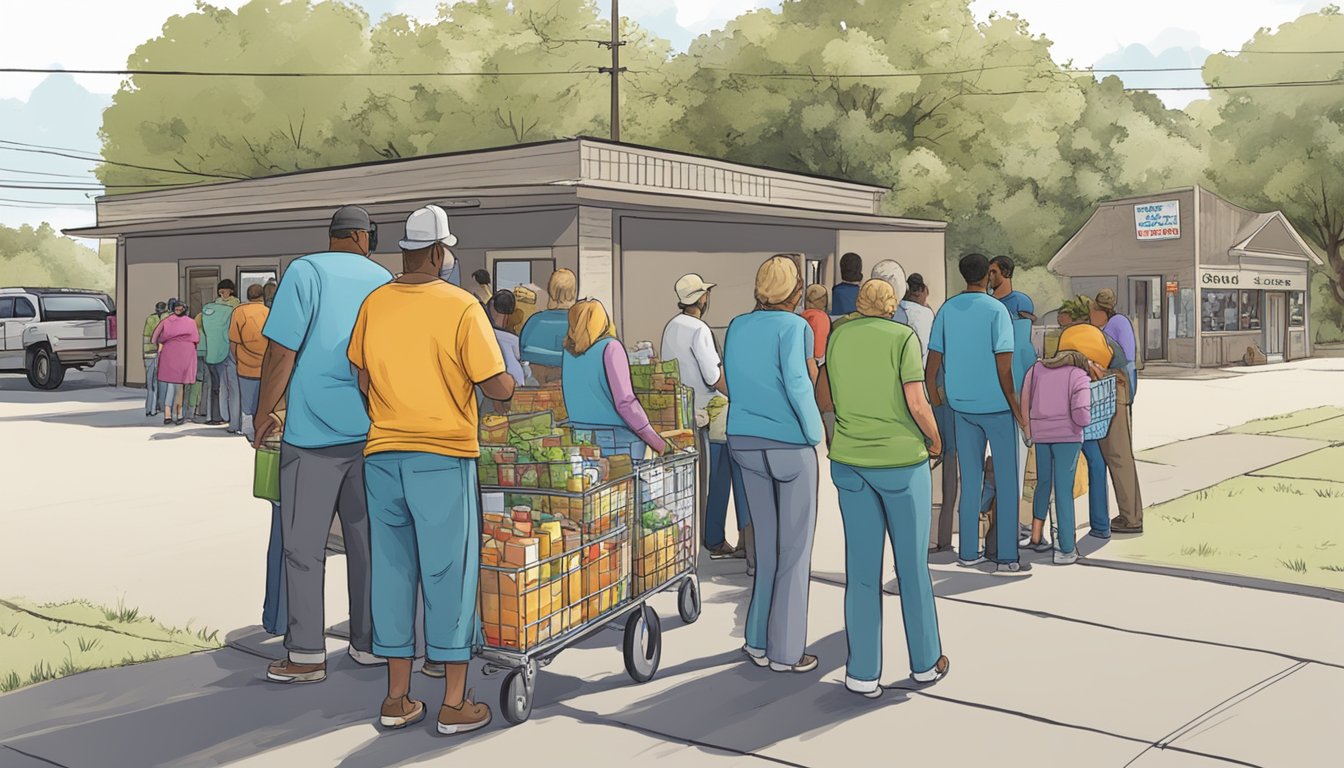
<point x="666" y="531"/>
<point x="535" y="605"/>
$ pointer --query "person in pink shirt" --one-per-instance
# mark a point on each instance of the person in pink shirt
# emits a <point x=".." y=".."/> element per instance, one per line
<point x="1057" y="405"/>
<point x="176" y="337"/>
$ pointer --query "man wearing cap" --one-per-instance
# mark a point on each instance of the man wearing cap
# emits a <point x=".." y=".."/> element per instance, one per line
<point x="326" y="425"/>
<point x="1117" y="327"/>
<point x="214" y="322"/>
<point x="1118" y="446"/>
<point x="420" y="378"/>
<point x="154" y="391"/>
<point x="688" y="340"/>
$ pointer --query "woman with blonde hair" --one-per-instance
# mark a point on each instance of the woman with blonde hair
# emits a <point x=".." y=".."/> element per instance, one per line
<point x="874" y="383"/>
<point x="595" y="381"/>
<point x="773" y="430"/>
<point x="543" y="335"/>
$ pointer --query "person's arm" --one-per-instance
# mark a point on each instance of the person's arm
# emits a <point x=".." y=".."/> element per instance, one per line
<point x="1080" y="401"/>
<point x="825" y="402"/>
<point x="617" y="366"/>
<point x="707" y="359"/>
<point x="1026" y="402"/>
<point x="799" y="374"/>
<point x="1004" y="363"/>
<point x="286" y="328"/>
<point x="919" y="406"/>
<point x="931" y="368"/>
<point x="721" y="386"/>
<point x="478" y="349"/>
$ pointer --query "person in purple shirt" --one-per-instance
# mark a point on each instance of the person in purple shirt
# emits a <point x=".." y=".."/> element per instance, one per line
<point x="595" y="381"/>
<point x="1117" y="327"/>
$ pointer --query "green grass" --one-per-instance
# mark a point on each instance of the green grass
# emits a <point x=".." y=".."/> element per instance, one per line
<point x="45" y="642"/>
<point x="1281" y="530"/>
<point x="1275" y="425"/>
<point x="1326" y="464"/>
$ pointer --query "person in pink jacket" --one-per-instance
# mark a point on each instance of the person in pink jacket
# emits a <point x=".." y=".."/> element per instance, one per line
<point x="1057" y="405"/>
<point x="176" y="337"/>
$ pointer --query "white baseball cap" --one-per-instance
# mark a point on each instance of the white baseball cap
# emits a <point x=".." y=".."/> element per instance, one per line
<point x="691" y="287"/>
<point x="425" y="227"/>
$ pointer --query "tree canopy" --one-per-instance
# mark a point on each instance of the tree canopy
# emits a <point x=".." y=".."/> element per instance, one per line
<point x="40" y="256"/>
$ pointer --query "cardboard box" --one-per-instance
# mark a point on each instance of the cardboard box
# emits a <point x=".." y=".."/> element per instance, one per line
<point x="521" y="552"/>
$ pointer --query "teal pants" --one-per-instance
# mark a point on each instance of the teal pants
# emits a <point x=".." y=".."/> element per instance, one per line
<point x="876" y="505"/>
<point x="1056" y="465"/>
<point x="424" y="526"/>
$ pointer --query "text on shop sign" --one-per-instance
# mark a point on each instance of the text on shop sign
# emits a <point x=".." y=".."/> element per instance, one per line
<point x="1158" y="221"/>
<point x="1231" y="278"/>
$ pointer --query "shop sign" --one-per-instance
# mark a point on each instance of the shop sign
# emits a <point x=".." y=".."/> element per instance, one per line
<point x="1173" y="286"/>
<point x="1250" y="280"/>
<point x="1158" y="221"/>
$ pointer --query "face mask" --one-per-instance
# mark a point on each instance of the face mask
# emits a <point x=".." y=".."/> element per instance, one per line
<point x="373" y="238"/>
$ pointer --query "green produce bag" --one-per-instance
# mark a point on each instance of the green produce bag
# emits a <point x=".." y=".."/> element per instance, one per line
<point x="266" y="474"/>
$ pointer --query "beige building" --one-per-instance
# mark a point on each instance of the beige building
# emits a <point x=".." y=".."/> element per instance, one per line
<point x="1202" y="279"/>
<point x="628" y="220"/>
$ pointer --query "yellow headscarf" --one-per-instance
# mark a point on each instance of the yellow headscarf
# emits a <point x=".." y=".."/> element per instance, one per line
<point x="525" y="306"/>
<point x="1089" y="340"/>
<point x="588" y="324"/>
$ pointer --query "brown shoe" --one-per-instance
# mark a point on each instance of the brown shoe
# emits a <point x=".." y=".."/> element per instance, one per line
<point x="464" y="719"/>
<point x="286" y="671"/>
<point x="721" y="552"/>
<point x="399" y="713"/>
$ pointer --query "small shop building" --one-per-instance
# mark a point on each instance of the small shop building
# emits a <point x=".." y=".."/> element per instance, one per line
<point x="628" y="220"/>
<point x="1201" y="278"/>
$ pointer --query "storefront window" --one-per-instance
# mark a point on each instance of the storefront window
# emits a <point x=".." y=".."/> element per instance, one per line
<point x="1181" y="317"/>
<point x="1297" y="309"/>
<point x="1219" y="312"/>
<point x="1250" y="311"/>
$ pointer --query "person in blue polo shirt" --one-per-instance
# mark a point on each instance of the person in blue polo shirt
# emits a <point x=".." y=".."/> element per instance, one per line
<point x="1022" y="312"/>
<point x="973" y="336"/>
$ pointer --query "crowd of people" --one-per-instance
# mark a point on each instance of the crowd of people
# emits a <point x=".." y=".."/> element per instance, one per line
<point x="377" y="410"/>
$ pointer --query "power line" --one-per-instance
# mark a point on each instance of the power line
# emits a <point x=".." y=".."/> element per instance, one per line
<point x="100" y="160"/>
<point x="46" y="173"/>
<point x="1282" y="53"/>
<point x="40" y="204"/>
<point x="90" y="186"/>
<point x="200" y="73"/>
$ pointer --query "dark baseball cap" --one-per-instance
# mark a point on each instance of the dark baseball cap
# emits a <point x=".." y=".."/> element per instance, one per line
<point x="351" y="217"/>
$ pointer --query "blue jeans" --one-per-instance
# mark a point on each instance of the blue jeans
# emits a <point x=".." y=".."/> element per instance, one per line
<point x="951" y="477"/>
<point x="249" y="392"/>
<point x="876" y="504"/>
<point x="999" y="430"/>
<point x="1056" y="465"/>
<point x="424" y="528"/>
<point x="154" y="389"/>
<point x="224" y="399"/>
<point x="724" y="473"/>
<point x="275" y="609"/>
<point x="1098" y="505"/>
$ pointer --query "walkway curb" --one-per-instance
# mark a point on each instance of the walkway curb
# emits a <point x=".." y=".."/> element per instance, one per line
<point x="1231" y="580"/>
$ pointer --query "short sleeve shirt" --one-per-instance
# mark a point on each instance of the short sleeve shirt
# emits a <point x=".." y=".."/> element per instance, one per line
<point x="313" y="314"/>
<point x="423" y="375"/>
<point x="868" y="362"/>
<point x="969" y="330"/>
<point x="689" y="341"/>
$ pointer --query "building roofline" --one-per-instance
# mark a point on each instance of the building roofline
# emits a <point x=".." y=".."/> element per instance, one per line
<point x="1136" y="198"/>
<point x="1292" y="231"/>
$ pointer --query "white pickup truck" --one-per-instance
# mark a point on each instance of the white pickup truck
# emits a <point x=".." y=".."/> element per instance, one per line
<point x="44" y="331"/>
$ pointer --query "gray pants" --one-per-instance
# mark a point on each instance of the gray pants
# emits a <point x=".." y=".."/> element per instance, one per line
<point x="781" y="488"/>
<point x="315" y="485"/>
<point x="224" y="394"/>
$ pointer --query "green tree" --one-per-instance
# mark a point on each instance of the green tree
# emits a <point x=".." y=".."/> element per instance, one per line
<point x="989" y="134"/>
<point x="252" y="126"/>
<point x="1283" y="148"/>
<point x="40" y="256"/>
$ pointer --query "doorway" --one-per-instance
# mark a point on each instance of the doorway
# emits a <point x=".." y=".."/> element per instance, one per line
<point x="1145" y="296"/>
<point x="1276" y="325"/>
<point x="202" y="288"/>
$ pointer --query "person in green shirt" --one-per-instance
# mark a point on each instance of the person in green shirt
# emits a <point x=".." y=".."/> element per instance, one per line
<point x="214" y="322"/>
<point x="154" y="391"/>
<point x="885" y="433"/>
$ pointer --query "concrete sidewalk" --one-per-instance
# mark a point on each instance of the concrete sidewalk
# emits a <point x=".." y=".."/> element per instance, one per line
<point x="1068" y="666"/>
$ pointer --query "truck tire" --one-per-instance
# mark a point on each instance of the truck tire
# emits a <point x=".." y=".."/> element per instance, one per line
<point x="44" y="368"/>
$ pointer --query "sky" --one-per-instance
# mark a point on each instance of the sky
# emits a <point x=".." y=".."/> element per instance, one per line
<point x="64" y="110"/>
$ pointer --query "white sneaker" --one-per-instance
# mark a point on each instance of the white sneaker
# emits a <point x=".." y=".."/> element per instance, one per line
<point x="1012" y="569"/>
<point x="938" y="672"/>
<point x="1066" y="558"/>
<point x="756" y="655"/>
<point x="1045" y="545"/>
<point x="365" y="658"/>
<point x="970" y="563"/>
<point x="806" y="664"/>
<point x="870" y="688"/>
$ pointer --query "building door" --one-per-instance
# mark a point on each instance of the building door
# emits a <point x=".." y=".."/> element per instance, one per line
<point x="1276" y="324"/>
<point x="1145" y="310"/>
<point x="202" y="288"/>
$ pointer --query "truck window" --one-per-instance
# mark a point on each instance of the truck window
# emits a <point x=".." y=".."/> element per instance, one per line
<point x="6" y="309"/>
<point x="23" y="309"/>
<point x="75" y="308"/>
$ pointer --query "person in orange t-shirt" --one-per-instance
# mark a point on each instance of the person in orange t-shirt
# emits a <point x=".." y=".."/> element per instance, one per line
<point x="249" y="346"/>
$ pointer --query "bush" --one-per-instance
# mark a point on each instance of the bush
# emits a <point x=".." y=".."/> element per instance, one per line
<point x="43" y="257"/>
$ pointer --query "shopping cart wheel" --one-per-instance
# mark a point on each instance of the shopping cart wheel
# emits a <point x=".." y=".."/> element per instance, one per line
<point x="643" y="644"/>
<point x="688" y="601"/>
<point x="515" y="696"/>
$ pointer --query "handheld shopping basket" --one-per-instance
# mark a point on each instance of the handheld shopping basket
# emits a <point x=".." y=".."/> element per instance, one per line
<point x="1103" y="408"/>
<point x="535" y="606"/>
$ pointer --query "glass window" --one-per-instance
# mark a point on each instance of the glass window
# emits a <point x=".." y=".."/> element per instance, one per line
<point x="250" y="277"/>
<point x="1249" y="319"/>
<point x="1297" y="309"/>
<point x="1182" y="325"/>
<point x="6" y="309"/>
<point x="1219" y="311"/>
<point x="75" y="308"/>
<point x="23" y="308"/>
<point x="511" y="274"/>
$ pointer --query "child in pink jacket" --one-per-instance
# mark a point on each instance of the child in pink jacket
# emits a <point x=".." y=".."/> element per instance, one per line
<point x="1057" y="404"/>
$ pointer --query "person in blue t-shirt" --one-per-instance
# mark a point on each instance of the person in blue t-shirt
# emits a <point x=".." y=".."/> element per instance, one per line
<point x="845" y="295"/>
<point x="973" y="337"/>
<point x="326" y="426"/>
<point x="1022" y="311"/>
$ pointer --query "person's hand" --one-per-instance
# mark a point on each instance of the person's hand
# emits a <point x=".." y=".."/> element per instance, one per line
<point x="934" y="400"/>
<point x="1022" y="424"/>
<point x="936" y="447"/>
<point x="264" y="424"/>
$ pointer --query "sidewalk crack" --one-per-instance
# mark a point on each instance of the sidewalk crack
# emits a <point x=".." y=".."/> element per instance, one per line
<point x="30" y="755"/>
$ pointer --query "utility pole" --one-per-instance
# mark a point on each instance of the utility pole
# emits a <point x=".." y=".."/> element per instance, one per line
<point x="615" y="69"/>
